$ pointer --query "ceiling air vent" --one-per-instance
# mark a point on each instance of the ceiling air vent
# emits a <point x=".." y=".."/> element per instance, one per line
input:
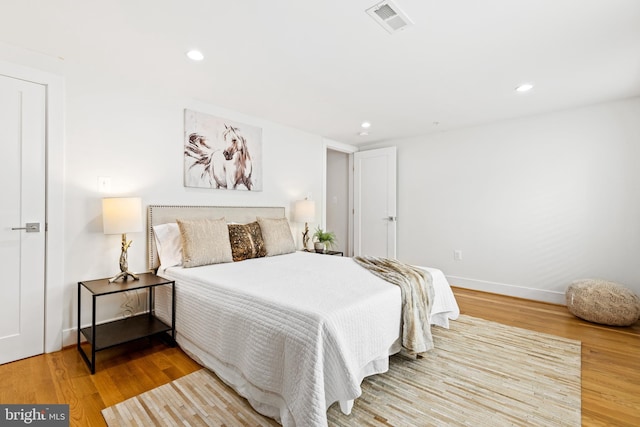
<point x="389" y="16"/>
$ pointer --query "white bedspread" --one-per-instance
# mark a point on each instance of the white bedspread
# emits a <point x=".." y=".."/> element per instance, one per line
<point x="293" y="333"/>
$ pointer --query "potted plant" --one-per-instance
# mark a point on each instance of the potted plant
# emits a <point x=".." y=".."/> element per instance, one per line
<point x="323" y="239"/>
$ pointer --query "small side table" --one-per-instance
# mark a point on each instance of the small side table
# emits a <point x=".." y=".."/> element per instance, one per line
<point x="113" y="333"/>
<point x="324" y="253"/>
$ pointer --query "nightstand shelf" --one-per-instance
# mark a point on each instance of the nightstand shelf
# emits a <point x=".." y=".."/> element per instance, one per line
<point x="116" y="332"/>
<point x="122" y="331"/>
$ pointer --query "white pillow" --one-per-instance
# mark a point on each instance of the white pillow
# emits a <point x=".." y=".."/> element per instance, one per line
<point x="168" y="244"/>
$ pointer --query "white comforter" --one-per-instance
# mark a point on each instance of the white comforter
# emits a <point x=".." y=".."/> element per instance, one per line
<point x="293" y="333"/>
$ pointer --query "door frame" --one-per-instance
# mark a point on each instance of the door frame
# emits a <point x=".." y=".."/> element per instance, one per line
<point x="328" y="144"/>
<point x="54" y="199"/>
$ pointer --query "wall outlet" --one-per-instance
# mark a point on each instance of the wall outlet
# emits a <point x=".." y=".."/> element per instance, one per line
<point x="457" y="255"/>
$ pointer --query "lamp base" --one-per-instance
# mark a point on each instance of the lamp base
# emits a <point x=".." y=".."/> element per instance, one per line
<point x="124" y="265"/>
<point x="305" y="236"/>
<point x="124" y="275"/>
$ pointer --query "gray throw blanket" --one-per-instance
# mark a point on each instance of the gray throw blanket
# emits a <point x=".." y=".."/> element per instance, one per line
<point x="416" y="286"/>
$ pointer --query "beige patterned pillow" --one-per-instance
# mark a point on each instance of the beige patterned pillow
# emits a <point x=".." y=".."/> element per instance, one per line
<point x="277" y="236"/>
<point x="204" y="242"/>
<point x="246" y="241"/>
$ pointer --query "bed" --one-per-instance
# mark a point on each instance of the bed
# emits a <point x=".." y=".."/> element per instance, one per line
<point x="292" y="333"/>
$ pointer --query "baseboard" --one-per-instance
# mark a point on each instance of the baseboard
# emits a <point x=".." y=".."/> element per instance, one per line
<point x="510" y="290"/>
<point x="70" y="337"/>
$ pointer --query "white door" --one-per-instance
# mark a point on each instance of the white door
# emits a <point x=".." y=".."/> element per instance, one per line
<point x="22" y="216"/>
<point x="374" y="200"/>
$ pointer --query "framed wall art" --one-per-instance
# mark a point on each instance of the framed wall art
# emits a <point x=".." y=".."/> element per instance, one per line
<point x="221" y="153"/>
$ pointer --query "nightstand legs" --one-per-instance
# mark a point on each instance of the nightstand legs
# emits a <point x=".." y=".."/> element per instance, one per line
<point x="93" y="336"/>
<point x="90" y="363"/>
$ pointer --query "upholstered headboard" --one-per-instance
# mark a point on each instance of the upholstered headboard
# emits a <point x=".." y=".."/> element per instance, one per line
<point x="162" y="214"/>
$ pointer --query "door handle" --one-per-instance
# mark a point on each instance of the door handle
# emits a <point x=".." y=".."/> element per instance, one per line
<point x="391" y="218"/>
<point x="30" y="227"/>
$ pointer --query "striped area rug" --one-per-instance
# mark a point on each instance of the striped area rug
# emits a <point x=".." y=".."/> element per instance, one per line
<point x="480" y="373"/>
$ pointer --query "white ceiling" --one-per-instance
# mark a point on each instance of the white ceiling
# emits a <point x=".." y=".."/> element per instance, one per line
<point x="325" y="66"/>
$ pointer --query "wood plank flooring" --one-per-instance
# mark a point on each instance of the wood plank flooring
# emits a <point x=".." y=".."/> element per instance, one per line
<point x="121" y="372"/>
<point x="610" y="365"/>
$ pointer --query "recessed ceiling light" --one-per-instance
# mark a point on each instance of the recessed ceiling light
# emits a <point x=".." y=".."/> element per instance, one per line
<point x="525" y="87"/>
<point x="195" y="55"/>
<point x="365" y="125"/>
<point x="363" y="133"/>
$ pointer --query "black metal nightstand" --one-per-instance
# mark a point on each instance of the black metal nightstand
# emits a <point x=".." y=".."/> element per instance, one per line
<point x="113" y="333"/>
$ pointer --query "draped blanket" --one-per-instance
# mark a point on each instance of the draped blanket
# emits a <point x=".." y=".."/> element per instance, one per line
<point x="417" y="292"/>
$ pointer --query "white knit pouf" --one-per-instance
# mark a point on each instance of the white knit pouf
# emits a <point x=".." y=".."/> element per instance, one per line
<point x="603" y="302"/>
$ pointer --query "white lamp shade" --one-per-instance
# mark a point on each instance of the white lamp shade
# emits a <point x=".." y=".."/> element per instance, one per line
<point x="305" y="211"/>
<point x="121" y="215"/>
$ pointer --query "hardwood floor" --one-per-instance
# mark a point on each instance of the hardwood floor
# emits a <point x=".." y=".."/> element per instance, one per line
<point x="63" y="377"/>
<point x="610" y="365"/>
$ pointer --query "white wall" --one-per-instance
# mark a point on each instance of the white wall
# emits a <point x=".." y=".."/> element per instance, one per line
<point x="532" y="203"/>
<point x="134" y="134"/>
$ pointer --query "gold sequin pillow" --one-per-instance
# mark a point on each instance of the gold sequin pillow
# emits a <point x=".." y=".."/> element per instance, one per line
<point x="246" y="241"/>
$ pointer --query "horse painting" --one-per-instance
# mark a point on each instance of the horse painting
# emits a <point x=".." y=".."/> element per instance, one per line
<point x="225" y="168"/>
<point x="238" y="167"/>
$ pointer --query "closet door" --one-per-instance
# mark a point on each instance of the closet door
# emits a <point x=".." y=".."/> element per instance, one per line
<point x="22" y="218"/>
<point x="374" y="196"/>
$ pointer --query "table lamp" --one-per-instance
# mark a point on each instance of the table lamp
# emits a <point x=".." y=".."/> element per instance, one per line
<point x="122" y="215"/>
<point x="305" y="211"/>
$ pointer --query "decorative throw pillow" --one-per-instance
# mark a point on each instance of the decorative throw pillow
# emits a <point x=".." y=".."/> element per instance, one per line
<point x="204" y="242"/>
<point x="277" y="236"/>
<point x="168" y="244"/>
<point x="246" y="241"/>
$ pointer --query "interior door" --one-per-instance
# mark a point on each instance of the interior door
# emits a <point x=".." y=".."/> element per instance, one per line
<point x="22" y="218"/>
<point x="374" y="200"/>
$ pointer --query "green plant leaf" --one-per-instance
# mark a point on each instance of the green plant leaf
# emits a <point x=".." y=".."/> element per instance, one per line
<point x="326" y="237"/>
